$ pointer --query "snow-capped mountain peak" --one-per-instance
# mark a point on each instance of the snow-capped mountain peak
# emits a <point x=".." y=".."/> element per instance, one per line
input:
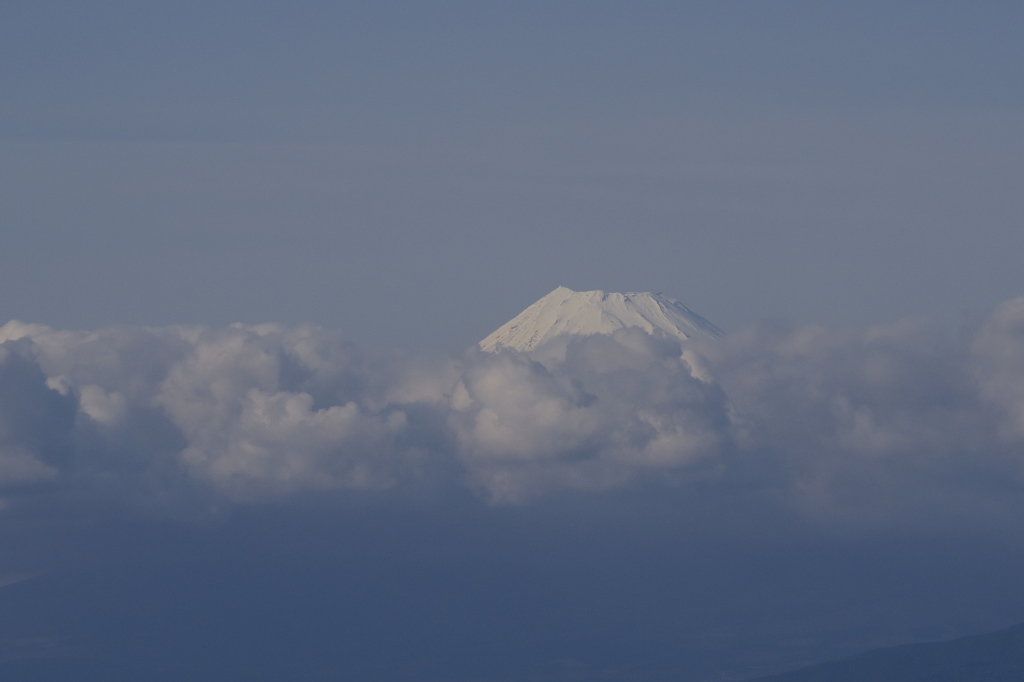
<point x="565" y="311"/>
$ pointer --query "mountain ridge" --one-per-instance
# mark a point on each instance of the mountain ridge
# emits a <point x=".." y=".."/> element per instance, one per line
<point x="993" y="657"/>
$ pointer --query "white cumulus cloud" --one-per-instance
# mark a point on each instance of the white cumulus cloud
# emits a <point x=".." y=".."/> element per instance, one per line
<point x="904" y="421"/>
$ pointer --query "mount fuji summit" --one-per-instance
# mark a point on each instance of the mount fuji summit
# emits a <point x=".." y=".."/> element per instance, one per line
<point x="565" y="311"/>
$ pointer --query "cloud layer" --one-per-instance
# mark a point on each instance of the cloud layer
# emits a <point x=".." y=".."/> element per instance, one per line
<point x="902" y="423"/>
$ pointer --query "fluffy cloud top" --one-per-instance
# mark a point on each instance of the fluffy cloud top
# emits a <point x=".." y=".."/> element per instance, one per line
<point x="896" y="422"/>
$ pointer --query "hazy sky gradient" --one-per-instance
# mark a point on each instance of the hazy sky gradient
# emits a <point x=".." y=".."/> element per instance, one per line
<point x="416" y="174"/>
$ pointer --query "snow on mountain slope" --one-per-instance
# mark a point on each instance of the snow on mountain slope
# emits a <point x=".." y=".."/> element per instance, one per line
<point x="565" y="311"/>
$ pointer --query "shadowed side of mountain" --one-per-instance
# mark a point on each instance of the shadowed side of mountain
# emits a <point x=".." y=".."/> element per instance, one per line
<point x="994" y="657"/>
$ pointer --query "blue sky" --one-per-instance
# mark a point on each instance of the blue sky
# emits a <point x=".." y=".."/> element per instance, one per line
<point x="415" y="175"/>
<point x="341" y="486"/>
